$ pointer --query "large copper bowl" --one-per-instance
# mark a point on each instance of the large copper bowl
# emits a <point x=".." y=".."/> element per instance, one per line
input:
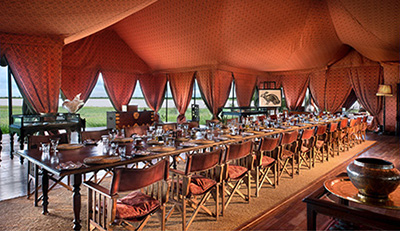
<point x="373" y="177"/>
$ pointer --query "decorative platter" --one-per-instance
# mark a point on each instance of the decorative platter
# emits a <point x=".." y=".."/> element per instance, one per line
<point x="343" y="188"/>
<point x="101" y="159"/>
<point x="69" y="146"/>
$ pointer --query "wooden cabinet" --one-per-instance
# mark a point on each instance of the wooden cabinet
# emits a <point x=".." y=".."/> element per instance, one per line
<point x="119" y="120"/>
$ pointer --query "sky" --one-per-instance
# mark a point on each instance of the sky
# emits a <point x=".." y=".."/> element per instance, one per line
<point x="98" y="90"/>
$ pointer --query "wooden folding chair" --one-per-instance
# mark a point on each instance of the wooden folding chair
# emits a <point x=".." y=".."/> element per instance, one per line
<point x="265" y="161"/>
<point x="289" y="146"/>
<point x="305" y="155"/>
<point x="238" y="165"/>
<point x="94" y="135"/>
<point x="320" y="148"/>
<point x="343" y="135"/>
<point x="332" y="142"/>
<point x="148" y="189"/>
<point x="34" y="171"/>
<point x="201" y="178"/>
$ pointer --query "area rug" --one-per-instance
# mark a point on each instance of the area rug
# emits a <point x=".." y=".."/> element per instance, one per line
<point x="20" y="214"/>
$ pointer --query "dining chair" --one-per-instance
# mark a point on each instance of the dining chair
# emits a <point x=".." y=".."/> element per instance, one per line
<point x="357" y="131"/>
<point x="194" y="186"/>
<point x="148" y="194"/>
<point x="306" y="151"/>
<point x="238" y="162"/>
<point x="333" y="140"/>
<point x="136" y="130"/>
<point x="34" y="171"/>
<point x="363" y="129"/>
<point x="343" y="134"/>
<point x="94" y="135"/>
<point x="265" y="161"/>
<point x="320" y="148"/>
<point x="352" y="133"/>
<point x="288" y="150"/>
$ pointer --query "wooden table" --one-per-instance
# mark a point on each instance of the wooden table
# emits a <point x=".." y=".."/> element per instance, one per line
<point x="78" y="155"/>
<point x="319" y="203"/>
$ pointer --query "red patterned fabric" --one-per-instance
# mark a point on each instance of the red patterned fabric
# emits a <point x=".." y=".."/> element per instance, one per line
<point x="214" y="86"/>
<point x="182" y="88"/>
<point x="391" y="72"/>
<point x="245" y="85"/>
<point x="365" y="82"/>
<point x="78" y="81"/>
<point x="295" y="88"/>
<point x="153" y="88"/>
<point x="269" y="78"/>
<point x="236" y="171"/>
<point x="338" y="88"/>
<point x="36" y="65"/>
<point x="136" y="205"/>
<point x="199" y="184"/>
<point x="119" y="87"/>
<point x="317" y="87"/>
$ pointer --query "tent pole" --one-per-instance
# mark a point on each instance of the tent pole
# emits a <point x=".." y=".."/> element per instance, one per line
<point x="10" y="112"/>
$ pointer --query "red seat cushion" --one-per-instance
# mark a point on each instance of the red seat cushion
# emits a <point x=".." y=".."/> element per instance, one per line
<point x="136" y="205"/>
<point x="266" y="161"/>
<point x="304" y="149"/>
<point x="235" y="171"/>
<point x="199" y="184"/>
<point x="286" y="153"/>
<point x="319" y="143"/>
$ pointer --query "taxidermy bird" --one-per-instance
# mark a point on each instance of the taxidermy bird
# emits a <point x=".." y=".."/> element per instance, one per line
<point x="73" y="105"/>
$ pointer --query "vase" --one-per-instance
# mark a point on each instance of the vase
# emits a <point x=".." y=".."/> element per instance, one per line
<point x="373" y="177"/>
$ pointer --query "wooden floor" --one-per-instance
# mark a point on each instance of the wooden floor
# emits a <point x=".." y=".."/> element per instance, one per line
<point x="291" y="215"/>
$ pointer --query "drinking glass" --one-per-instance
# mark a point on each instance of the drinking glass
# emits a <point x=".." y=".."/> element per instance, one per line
<point x="45" y="147"/>
<point x="54" y="144"/>
<point x="113" y="148"/>
<point x="122" y="150"/>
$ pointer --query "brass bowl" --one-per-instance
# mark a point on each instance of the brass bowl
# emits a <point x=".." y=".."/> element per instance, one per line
<point x="373" y="177"/>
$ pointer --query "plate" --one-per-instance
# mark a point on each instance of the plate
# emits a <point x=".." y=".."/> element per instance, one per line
<point x="101" y="159"/>
<point x="161" y="149"/>
<point x="124" y="140"/>
<point x="188" y="144"/>
<point x="202" y="141"/>
<point x="69" y="165"/>
<point x="182" y="139"/>
<point x="248" y="133"/>
<point x="69" y="146"/>
<point x="154" y="142"/>
<point x="90" y="142"/>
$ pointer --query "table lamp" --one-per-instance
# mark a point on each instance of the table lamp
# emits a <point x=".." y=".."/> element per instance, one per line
<point x="384" y="90"/>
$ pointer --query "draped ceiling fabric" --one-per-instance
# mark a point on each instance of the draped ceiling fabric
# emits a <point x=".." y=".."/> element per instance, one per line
<point x="104" y="52"/>
<point x="180" y="36"/>
<point x="295" y="88"/>
<point x="214" y="86"/>
<point x="317" y="88"/>
<point x="245" y="85"/>
<point x="36" y="65"/>
<point x="153" y="88"/>
<point x="182" y="89"/>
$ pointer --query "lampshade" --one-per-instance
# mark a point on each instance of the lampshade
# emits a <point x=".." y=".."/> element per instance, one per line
<point x="384" y="90"/>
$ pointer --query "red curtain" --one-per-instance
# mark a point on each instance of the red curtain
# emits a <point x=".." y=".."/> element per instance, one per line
<point x="119" y="87"/>
<point x="338" y="88"/>
<point x="75" y="81"/>
<point x="245" y="85"/>
<point x="214" y="86"/>
<point x="153" y="88"/>
<point x="365" y="82"/>
<point x="36" y="65"/>
<point x="182" y="88"/>
<point x="317" y="87"/>
<point x="295" y="88"/>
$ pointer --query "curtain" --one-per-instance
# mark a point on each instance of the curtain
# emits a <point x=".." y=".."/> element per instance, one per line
<point x="119" y="87"/>
<point x="351" y="99"/>
<point x="365" y="82"/>
<point x="75" y="81"/>
<point x="295" y="88"/>
<point x="153" y="88"/>
<point x="214" y="87"/>
<point x="317" y="87"/>
<point x="36" y="65"/>
<point x="182" y="88"/>
<point x="245" y="85"/>
<point x="338" y="88"/>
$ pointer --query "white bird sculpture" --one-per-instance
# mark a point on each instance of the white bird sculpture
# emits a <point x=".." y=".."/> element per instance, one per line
<point x="74" y="105"/>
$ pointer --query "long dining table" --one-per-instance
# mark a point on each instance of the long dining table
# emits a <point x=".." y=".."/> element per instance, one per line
<point x="78" y="156"/>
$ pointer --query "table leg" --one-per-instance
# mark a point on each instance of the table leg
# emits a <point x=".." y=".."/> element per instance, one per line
<point x="11" y="145"/>
<point x="45" y="191"/>
<point x="311" y="218"/>
<point x="77" y="181"/>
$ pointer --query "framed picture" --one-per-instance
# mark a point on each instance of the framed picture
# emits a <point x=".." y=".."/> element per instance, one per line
<point x="270" y="98"/>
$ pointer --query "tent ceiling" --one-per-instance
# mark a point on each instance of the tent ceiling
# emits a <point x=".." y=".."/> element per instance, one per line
<point x="259" y="35"/>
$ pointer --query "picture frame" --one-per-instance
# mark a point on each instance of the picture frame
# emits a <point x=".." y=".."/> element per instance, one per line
<point x="270" y="98"/>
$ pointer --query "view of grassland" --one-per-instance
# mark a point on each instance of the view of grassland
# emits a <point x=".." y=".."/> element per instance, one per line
<point x="96" y="116"/>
